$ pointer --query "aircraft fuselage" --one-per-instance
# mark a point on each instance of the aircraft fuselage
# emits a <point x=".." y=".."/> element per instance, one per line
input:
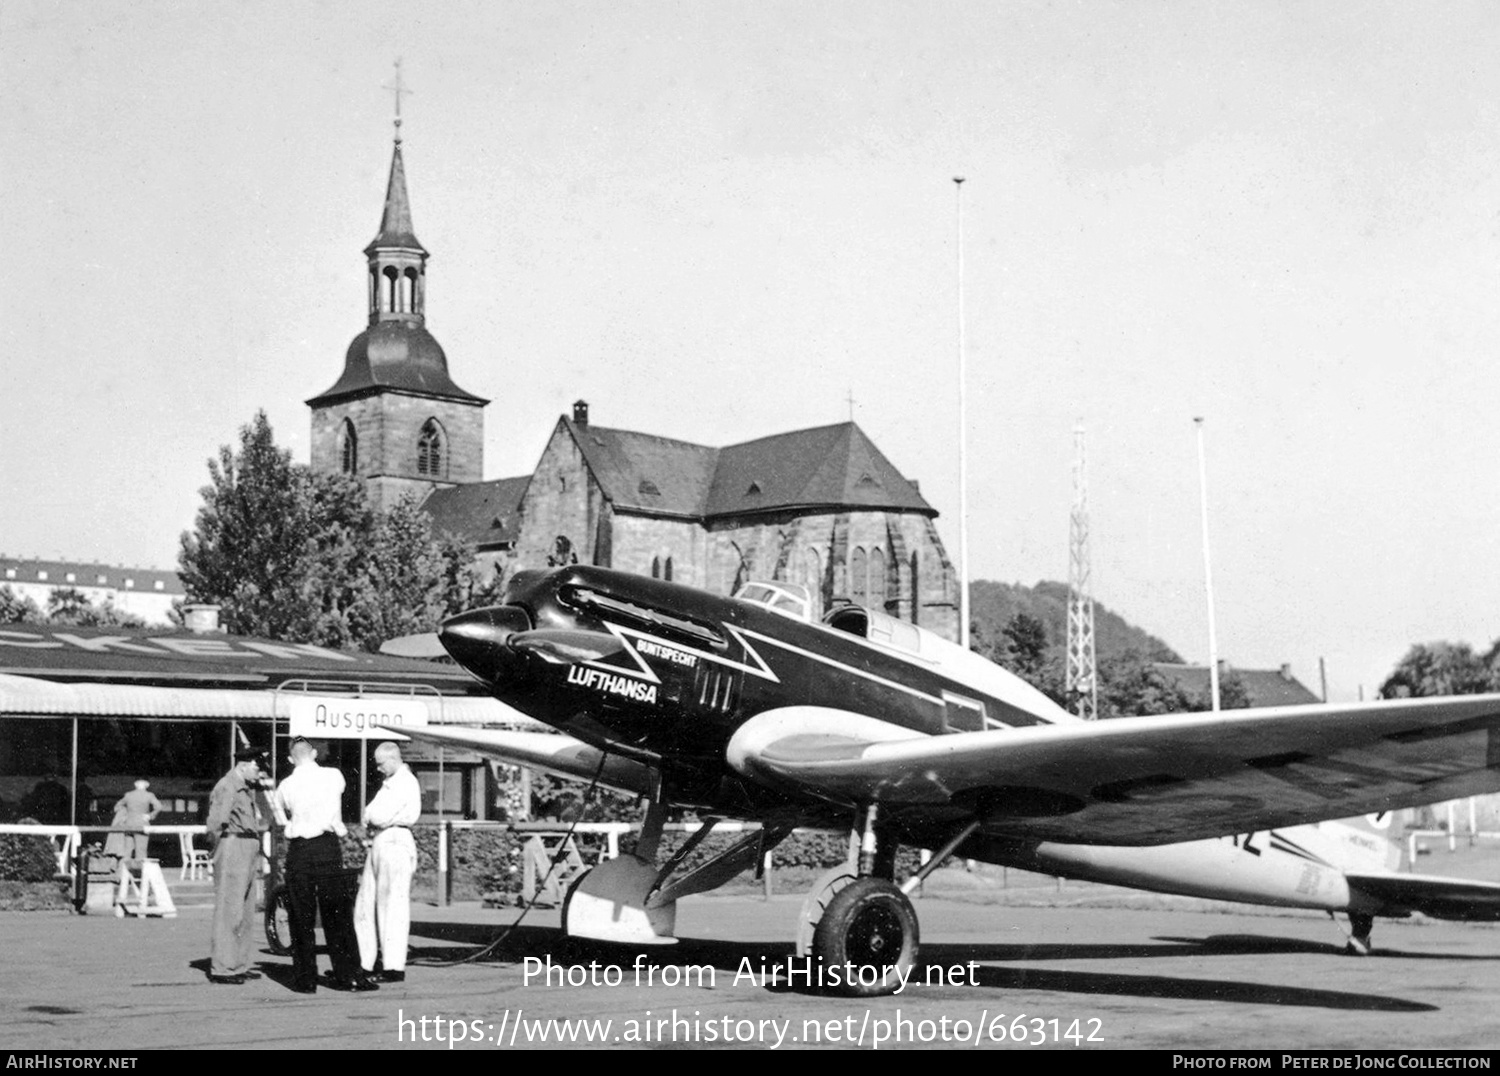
<point x="675" y="671"/>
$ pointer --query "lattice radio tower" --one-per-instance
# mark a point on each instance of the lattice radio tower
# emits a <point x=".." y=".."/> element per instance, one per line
<point x="1082" y="682"/>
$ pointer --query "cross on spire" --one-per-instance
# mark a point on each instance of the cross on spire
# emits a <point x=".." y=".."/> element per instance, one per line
<point x="397" y="88"/>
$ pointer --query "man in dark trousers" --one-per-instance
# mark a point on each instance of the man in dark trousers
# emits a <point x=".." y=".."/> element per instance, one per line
<point x="238" y="815"/>
<point x="311" y="801"/>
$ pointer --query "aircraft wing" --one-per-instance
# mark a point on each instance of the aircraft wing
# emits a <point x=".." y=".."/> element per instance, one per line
<point x="1144" y="780"/>
<point x="550" y="752"/>
<point x="1441" y="898"/>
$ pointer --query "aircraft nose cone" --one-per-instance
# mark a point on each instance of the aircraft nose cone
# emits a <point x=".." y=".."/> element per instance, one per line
<point x="477" y="639"/>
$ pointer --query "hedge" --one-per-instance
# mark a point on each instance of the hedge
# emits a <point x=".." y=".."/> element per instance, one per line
<point x="26" y="857"/>
<point x="489" y="858"/>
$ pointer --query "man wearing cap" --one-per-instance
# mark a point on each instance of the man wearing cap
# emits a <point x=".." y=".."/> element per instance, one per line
<point x="382" y="914"/>
<point x="136" y="810"/>
<point x="311" y="801"/>
<point x="237" y="816"/>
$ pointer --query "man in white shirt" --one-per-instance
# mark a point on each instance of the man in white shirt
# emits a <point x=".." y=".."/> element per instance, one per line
<point x="311" y="803"/>
<point x="382" y="914"/>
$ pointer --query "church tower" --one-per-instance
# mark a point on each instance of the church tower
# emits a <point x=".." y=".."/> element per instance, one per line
<point x="394" y="417"/>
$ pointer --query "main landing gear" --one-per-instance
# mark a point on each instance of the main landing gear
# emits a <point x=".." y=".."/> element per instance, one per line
<point x="1357" y="938"/>
<point x="857" y="926"/>
<point x="857" y="932"/>
<point x="856" y="919"/>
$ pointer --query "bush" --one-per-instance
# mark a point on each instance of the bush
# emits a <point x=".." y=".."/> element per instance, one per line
<point x="26" y="857"/>
<point x="33" y="896"/>
<point x="488" y="857"/>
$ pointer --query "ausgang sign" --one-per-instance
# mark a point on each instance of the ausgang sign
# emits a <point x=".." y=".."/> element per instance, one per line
<point x="330" y="718"/>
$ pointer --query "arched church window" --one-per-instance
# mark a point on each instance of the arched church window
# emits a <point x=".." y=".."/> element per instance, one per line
<point x="349" y="449"/>
<point x="812" y="578"/>
<point x="859" y="591"/>
<point x="916" y="589"/>
<point x="877" y="578"/>
<point x="430" y="446"/>
<point x="655" y="567"/>
<point x="666" y="571"/>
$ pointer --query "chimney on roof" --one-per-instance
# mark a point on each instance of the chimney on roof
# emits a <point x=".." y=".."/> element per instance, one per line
<point x="580" y="412"/>
<point x="201" y="619"/>
<point x="1286" y="672"/>
<point x="916" y="487"/>
<point x="1223" y="667"/>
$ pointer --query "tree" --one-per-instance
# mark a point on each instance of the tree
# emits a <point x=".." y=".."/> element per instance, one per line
<point x="68" y="605"/>
<point x="1440" y="669"/>
<point x="463" y="585"/>
<point x="406" y="568"/>
<point x="1026" y="637"/>
<point x="15" y="609"/>
<point x="302" y="556"/>
<point x="251" y="550"/>
<point x="1131" y="686"/>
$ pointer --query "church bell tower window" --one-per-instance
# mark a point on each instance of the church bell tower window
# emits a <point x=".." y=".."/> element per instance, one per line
<point x="349" y="450"/>
<point x="430" y="450"/>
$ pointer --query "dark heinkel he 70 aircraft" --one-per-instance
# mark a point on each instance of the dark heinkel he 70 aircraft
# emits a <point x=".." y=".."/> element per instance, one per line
<point x="744" y="708"/>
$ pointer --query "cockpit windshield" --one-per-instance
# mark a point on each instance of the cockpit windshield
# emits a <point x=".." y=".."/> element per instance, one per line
<point x="789" y="599"/>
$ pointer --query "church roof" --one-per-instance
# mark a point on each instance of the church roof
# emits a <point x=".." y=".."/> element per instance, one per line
<point x="395" y="223"/>
<point x="397" y="354"/>
<point x="481" y="512"/>
<point x="827" y="467"/>
<point x="647" y="473"/>
<point x="1263" y="687"/>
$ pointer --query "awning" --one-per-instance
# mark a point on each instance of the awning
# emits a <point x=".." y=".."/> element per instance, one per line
<point x="25" y="695"/>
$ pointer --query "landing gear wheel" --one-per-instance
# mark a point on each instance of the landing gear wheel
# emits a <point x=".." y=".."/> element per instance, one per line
<point x="816" y="903"/>
<point x="279" y="922"/>
<point x="869" y="933"/>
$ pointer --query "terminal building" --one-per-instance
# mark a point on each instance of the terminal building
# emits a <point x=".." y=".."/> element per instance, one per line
<point x="144" y="594"/>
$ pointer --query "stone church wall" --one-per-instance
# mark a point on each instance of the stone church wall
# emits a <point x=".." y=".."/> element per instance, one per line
<point x="562" y="502"/>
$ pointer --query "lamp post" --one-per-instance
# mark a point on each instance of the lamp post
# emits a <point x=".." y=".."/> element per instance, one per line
<point x="1208" y="575"/>
<point x="963" y="438"/>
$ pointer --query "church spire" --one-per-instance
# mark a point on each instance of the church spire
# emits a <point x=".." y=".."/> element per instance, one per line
<point x="395" y="223"/>
<point x="398" y="263"/>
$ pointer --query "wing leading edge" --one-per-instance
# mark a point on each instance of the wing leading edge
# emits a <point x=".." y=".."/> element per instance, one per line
<point x="551" y="752"/>
<point x="1146" y="780"/>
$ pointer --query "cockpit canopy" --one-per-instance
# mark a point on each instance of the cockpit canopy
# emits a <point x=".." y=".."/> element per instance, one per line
<point x="795" y="600"/>
<point x="789" y="599"/>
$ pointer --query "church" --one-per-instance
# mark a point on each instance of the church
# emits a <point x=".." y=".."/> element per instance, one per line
<point x="819" y="507"/>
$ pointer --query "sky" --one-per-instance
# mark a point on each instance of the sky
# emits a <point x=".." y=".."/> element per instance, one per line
<point x="718" y="221"/>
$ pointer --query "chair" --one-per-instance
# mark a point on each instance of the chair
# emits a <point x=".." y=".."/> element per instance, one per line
<point x="195" y="861"/>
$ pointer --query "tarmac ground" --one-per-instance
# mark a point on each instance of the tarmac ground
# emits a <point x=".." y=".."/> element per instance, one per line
<point x="1076" y="967"/>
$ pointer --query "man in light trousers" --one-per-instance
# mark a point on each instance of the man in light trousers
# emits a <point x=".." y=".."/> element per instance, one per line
<point x="382" y="913"/>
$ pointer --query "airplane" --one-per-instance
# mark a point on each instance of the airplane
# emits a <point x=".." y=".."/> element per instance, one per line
<point x="748" y="708"/>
